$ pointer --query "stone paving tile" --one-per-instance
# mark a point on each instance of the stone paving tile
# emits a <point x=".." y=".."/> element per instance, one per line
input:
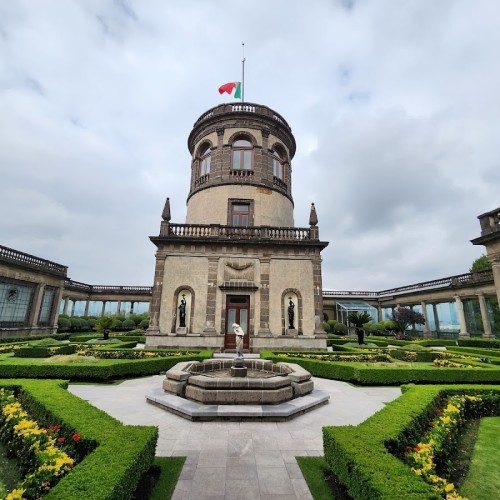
<point x="274" y="481"/>
<point x="238" y="460"/>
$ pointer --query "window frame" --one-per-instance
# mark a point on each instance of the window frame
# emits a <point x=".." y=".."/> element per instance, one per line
<point x="245" y="151"/>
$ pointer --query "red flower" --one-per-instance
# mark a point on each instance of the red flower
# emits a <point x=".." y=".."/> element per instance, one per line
<point x="425" y="433"/>
<point x="54" y="427"/>
<point x="438" y="411"/>
<point x="60" y="440"/>
<point x="409" y="448"/>
<point x="431" y="424"/>
<point x="406" y="455"/>
<point x="76" y="437"/>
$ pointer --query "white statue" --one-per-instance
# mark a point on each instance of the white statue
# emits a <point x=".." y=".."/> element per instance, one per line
<point x="239" y="339"/>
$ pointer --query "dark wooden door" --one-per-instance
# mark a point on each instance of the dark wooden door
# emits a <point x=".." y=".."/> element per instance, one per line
<point x="237" y="311"/>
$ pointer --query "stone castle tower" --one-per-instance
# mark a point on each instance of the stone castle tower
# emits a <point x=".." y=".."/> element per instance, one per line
<point x="238" y="258"/>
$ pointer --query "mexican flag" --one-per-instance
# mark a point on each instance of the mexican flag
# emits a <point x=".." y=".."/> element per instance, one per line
<point x="229" y="87"/>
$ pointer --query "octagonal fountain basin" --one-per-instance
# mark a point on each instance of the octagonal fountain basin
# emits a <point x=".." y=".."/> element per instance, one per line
<point x="211" y="390"/>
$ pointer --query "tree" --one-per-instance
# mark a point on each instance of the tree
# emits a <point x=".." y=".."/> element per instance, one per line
<point x="480" y="264"/>
<point x="359" y="319"/>
<point x="404" y="317"/>
<point x="105" y="324"/>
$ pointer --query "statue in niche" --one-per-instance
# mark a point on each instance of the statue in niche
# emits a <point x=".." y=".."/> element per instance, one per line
<point x="291" y="314"/>
<point x="182" y="312"/>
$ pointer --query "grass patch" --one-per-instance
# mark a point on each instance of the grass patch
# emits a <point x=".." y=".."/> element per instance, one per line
<point x="322" y="484"/>
<point x="483" y="480"/>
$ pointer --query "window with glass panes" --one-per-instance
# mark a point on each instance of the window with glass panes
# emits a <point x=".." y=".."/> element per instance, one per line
<point x="242" y="155"/>
<point x="240" y="214"/>
<point x="278" y="168"/>
<point x="205" y="160"/>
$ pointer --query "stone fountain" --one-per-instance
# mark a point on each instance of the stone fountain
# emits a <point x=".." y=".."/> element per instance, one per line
<point x="237" y="389"/>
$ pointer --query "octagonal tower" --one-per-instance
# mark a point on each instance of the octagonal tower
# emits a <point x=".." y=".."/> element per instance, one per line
<point x="238" y="258"/>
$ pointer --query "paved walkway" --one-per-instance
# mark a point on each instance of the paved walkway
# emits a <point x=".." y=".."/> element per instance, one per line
<point x="238" y="460"/>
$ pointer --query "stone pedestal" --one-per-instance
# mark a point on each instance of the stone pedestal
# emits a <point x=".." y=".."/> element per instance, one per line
<point x="238" y="369"/>
<point x="292" y="332"/>
<point x="182" y="330"/>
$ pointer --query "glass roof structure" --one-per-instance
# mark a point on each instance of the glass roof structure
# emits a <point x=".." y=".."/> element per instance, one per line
<point x="343" y="308"/>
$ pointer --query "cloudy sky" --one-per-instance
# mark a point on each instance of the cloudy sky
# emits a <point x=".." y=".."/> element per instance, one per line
<point x="395" y="107"/>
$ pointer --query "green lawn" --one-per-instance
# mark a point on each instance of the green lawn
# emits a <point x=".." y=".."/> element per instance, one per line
<point x="483" y="480"/>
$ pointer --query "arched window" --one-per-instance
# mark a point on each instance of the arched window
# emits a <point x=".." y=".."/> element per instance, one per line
<point x="205" y="160"/>
<point x="278" y="165"/>
<point x="242" y="155"/>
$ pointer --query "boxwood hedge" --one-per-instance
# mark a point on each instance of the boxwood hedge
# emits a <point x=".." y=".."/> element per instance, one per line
<point x="122" y="454"/>
<point x="103" y="370"/>
<point x="361" y="373"/>
<point x="359" y="456"/>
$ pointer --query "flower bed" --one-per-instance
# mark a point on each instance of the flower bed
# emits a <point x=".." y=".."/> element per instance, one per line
<point x="358" y="358"/>
<point x="119" y="455"/>
<point x="104" y="369"/>
<point x="99" y="353"/>
<point x="371" y="374"/>
<point x="364" y="457"/>
<point x="437" y="444"/>
<point x="38" y="449"/>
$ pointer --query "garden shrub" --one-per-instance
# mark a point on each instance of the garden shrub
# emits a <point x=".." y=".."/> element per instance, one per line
<point x="119" y="456"/>
<point x="362" y="456"/>
<point x="340" y="329"/>
<point x="479" y="342"/>
<point x="144" y="324"/>
<point x="91" y="322"/>
<point x="76" y="324"/>
<point x="128" y="324"/>
<point x="63" y="324"/>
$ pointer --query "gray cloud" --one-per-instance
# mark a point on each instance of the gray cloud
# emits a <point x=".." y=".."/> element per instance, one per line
<point x="396" y="114"/>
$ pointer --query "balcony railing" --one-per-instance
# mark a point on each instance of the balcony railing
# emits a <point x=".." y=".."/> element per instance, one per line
<point x="459" y="280"/>
<point x="76" y="286"/>
<point x="15" y="256"/>
<point x="239" y="232"/>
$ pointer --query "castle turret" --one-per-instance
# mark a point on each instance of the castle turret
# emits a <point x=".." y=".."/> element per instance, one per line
<point x="238" y="257"/>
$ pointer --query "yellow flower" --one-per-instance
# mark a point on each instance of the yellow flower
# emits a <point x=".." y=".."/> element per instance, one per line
<point x="446" y="419"/>
<point x="449" y="487"/>
<point x="15" y="495"/>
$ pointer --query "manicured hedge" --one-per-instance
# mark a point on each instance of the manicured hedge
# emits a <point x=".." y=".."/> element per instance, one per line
<point x="377" y="375"/>
<point x="122" y="453"/>
<point x="103" y="370"/>
<point x="57" y="336"/>
<point x="479" y="342"/>
<point x="44" y="351"/>
<point x="360" y="458"/>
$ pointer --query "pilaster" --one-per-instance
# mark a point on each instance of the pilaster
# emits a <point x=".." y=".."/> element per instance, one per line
<point x="461" y="318"/>
<point x="484" y="316"/>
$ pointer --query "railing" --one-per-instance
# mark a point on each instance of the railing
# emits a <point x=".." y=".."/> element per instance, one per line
<point x="452" y="281"/>
<point x="245" y="108"/>
<point x="240" y="232"/>
<point x="241" y="173"/>
<point x="202" y="180"/>
<point x="25" y="258"/>
<point x="279" y="183"/>
<point x="76" y="286"/>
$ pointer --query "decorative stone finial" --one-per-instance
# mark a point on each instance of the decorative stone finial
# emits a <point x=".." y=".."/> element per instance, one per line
<point x="166" y="211"/>
<point x="313" y="218"/>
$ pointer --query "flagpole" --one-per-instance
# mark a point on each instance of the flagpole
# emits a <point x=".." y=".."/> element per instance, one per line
<point x="243" y="74"/>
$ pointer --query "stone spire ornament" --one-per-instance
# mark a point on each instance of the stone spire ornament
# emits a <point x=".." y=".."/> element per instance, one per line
<point x="166" y="211"/>
<point x="165" y="223"/>
<point x="313" y="217"/>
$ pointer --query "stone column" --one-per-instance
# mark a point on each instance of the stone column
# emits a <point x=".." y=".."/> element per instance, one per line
<point x="55" y="310"/>
<point x="436" y="319"/>
<point x="118" y="307"/>
<point x="103" y="309"/>
<point x="213" y="267"/>
<point x="86" y="313"/>
<point x="319" y="331"/>
<point x="154" y="308"/>
<point x="484" y="316"/>
<point x="461" y="318"/>
<point x="427" y="333"/>
<point x="35" y="305"/>
<point x="265" y="269"/>
<point x="495" y="266"/>
<point x="66" y="302"/>
<point x="73" y="306"/>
